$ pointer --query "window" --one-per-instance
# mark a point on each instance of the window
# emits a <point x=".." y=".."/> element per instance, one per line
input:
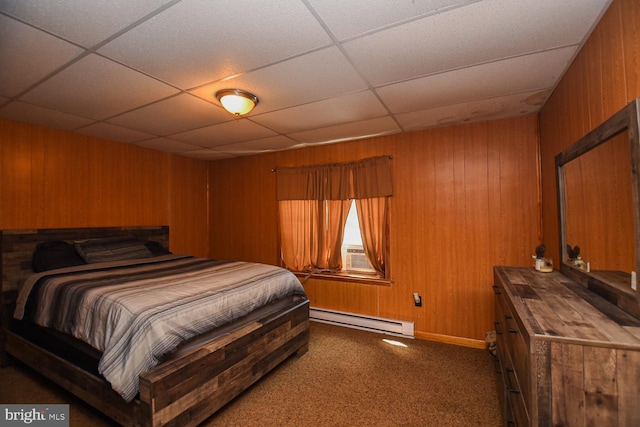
<point x="352" y="234"/>
<point x="354" y="258"/>
<point x="333" y="218"/>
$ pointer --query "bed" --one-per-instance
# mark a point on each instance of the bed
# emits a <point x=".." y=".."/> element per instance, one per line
<point x="213" y="329"/>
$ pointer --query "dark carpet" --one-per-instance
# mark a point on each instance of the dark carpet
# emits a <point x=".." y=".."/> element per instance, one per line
<point x="347" y="378"/>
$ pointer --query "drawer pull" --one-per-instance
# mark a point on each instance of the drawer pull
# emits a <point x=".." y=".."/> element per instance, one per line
<point x="510" y="386"/>
<point x="498" y="327"/>
<point x="510" y="330"/>
<point x="496" y="290"/>
<point x="497" y="365"/>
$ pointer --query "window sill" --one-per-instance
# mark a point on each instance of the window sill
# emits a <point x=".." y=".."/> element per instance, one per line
<point x="360" y="278"/>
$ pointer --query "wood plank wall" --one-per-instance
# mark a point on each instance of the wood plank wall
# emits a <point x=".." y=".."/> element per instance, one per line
<point x="52" y="178"/>
<point x="603" y="78"/>
<point x="465" y="199"/>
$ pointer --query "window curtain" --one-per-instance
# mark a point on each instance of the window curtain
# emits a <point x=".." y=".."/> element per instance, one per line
<point x="298" y="236"/>
<point x="314" y="202"/>
<point x="372" y="214"/>
<point x="330" y="255"/>
<point x="311" y="233"/>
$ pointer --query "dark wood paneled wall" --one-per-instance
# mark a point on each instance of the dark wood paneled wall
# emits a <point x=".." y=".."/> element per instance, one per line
<point x="52" y="178"/>
<point x="465" y="199"/>
<point x="604" y="77"/>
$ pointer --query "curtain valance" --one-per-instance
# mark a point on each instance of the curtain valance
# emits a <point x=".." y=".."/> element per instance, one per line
<point x="364" y="179"/>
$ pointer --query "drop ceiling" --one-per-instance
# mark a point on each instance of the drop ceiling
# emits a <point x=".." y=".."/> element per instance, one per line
<point x="145" y="72"/>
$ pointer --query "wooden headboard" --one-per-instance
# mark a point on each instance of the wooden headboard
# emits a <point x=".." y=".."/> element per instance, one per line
<point x="18" y="245"/>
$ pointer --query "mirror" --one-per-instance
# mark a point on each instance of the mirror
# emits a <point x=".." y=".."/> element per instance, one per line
<point x="599" y="209"/>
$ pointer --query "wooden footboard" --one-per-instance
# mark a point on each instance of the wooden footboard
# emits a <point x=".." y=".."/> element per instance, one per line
<point x="187" y="390"/>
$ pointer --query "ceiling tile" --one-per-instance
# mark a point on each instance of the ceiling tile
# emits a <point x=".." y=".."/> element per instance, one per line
<point x="97" y="88"/>
<point x="486" y="109"/>
<point x="93" y="21"/>
<point x="176" y="114"/>
<point x="225" y="133"/>
<point x="113" y="132"/>
<point x="257" y="146"/>
<point x="23" y="112"/>
<point x="311" y="77"/>
<point x="515" y="75"/>
<point x="349" y="131"/>
<point x="478" y="33"/>
<point x="169" y="145"/>
<point x="348" y="19"/>
<point x="196" y="42"/>
<point x="353" y="107"/>
<point x="29" y="55"/>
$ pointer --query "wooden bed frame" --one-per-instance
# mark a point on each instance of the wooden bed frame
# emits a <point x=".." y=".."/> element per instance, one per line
<point x="183" y="391"/>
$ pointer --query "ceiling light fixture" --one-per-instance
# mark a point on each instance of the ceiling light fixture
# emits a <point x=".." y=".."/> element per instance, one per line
<point x="237" y="101"/>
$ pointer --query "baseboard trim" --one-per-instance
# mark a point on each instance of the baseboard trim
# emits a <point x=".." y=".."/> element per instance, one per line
<point x="388" y="326"/>
<point x="448" y="339"/>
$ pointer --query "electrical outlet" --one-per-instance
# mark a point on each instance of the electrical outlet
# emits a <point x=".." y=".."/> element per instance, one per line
<point x="417" y="299"/>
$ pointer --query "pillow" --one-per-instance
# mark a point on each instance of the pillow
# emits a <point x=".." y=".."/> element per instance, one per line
<point x="55" y="254"/>
<point x="112" y="249"/>
<point x="156" y="248"/>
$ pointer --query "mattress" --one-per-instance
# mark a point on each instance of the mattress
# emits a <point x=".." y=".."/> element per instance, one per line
<point x="136" y="313"/>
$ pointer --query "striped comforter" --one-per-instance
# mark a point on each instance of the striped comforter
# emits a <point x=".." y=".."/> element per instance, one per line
<point x="135" y="312"/>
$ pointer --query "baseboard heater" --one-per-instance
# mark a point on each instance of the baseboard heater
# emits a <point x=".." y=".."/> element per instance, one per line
<point x="358" y="321"/>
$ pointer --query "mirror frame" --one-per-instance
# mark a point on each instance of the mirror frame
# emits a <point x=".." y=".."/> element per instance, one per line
<point x="612" y="287"/>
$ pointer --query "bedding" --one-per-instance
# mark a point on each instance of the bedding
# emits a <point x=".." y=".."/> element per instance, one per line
<point x="54" y="254"/>
<point x="156" y="248"/>
<point x="112" y="249"/>
<point x="136" y="311"/>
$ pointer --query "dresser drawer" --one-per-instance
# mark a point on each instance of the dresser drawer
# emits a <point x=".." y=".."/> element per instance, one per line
<point x="511" y="403"/>
<point x="515" y="361"/>
<point x="519" y="354"/>
<point x="515" y="398"/>
<point x="499" y="324"/>
<point x="514" y="341"/>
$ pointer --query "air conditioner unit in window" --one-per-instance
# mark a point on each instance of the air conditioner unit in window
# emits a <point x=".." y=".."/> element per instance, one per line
<point x="355" y="260"/>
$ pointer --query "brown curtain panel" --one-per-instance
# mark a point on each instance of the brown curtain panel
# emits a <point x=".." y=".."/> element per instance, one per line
<point x="372" y="215"/>
<point x="299" y="233"/>
<point x="337" y="212"/>
<point x="313" y="206"/>
<point x="312" y="232"/>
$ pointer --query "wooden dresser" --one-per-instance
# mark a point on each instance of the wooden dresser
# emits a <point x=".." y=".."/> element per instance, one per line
<point x="567" y="357"/>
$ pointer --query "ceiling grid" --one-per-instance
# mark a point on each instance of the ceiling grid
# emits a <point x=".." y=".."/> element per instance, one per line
<point x="146" y="72"/>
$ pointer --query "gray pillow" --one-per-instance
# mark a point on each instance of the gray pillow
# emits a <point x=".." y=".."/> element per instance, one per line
<point x="112" y="249"/>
